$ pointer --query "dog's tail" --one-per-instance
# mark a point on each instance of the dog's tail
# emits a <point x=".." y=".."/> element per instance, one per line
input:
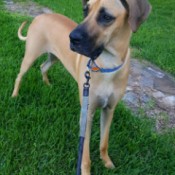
<point x="23" y="38"/>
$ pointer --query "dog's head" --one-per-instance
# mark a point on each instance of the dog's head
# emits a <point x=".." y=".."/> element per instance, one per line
<point x="103" y="20"/>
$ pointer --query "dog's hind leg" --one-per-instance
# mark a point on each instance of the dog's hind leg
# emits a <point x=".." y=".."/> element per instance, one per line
<point x="106" y="119"/>
<point x="46" y="65"/>
<point x="29" y="58"/>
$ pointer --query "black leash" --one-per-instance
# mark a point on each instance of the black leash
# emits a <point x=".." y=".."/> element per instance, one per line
<point x="83" y="120"/>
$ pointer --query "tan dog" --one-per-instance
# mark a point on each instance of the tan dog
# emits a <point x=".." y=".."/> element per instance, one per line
<point x="104" y="35"/>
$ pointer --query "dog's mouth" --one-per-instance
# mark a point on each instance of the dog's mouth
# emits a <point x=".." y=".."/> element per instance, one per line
<point x="86" y="51"/>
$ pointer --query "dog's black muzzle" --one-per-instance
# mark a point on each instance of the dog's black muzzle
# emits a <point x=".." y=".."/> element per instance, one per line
<point x="82" y="43"/>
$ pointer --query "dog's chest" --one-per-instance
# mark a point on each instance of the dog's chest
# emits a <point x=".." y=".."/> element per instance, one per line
<point x="104" y="92"/>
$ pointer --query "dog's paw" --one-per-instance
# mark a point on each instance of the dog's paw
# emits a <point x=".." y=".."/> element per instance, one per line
<point x="14" y="95"/>
<point x="107" y="161"/>
<point x="46" y="79"/>
<point x="109" y="165"/>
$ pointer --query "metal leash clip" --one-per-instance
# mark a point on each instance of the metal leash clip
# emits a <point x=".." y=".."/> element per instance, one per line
<point x="87" y="76"/>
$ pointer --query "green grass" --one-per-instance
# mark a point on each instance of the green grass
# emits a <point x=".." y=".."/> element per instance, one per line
<point x="155" y="40"/>
<point x="39" y="129"/>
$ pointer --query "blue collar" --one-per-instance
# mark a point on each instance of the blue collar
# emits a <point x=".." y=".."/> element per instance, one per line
<point x="95" y="68"/>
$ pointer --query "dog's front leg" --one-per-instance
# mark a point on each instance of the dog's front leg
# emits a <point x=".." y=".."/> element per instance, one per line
<point x="106" y="119"/>
<point x="86" y="162"/>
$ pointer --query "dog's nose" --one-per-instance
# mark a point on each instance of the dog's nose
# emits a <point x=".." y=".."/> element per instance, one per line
<point x="76" y="37"/>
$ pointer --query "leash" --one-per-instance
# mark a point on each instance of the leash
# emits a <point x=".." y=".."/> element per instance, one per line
<point x="83" y="120"/>
<point x="85" y="103"/>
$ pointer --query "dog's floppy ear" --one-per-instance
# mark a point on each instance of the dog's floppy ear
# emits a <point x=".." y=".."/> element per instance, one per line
<point x="138" y="12"/>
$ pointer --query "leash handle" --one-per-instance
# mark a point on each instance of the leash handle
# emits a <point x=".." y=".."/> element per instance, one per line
<point x="83" y="120"/>
<point x="80" y="153"/>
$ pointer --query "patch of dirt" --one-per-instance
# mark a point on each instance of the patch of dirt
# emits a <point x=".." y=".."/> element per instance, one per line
<point x="26" y="8"/>
<point x="150" y="91"/>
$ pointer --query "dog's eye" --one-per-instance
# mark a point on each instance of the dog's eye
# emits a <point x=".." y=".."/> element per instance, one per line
<point x="104" y="18"/>
<point x="108" y="18"/>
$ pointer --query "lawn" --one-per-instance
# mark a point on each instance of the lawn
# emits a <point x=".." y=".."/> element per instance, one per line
<point x="39" y="129"/>
<point x="155" y="41"/>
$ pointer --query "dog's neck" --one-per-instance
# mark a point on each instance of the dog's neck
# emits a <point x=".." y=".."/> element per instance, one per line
<point x="109" y="59"/>
<point x="116" y="50"/>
